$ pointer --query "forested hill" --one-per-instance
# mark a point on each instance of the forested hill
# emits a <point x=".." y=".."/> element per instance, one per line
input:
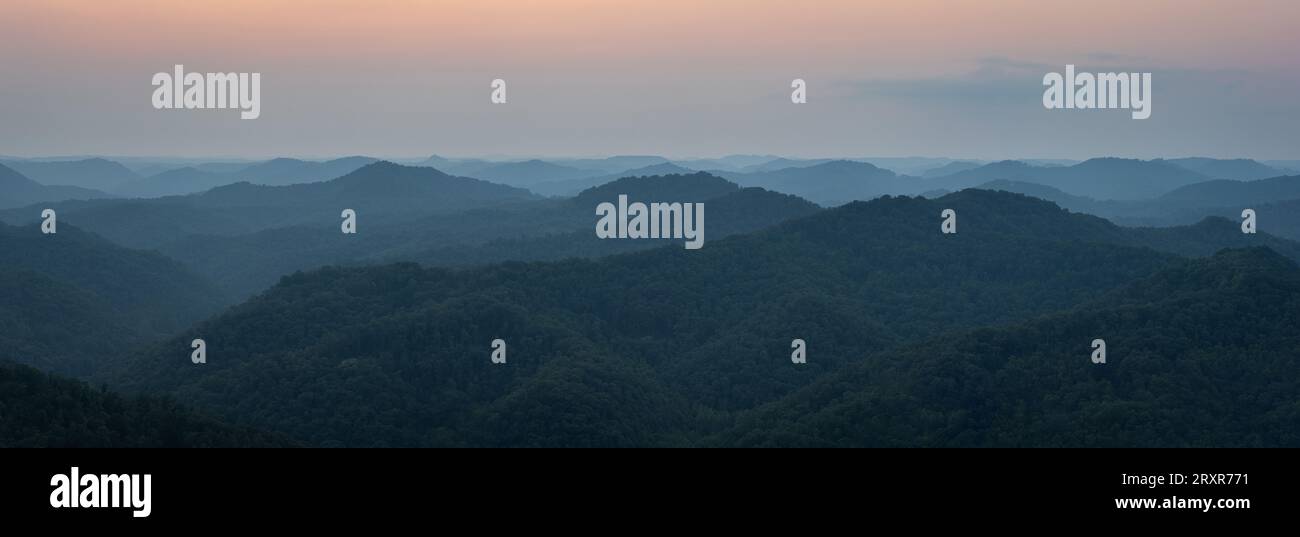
<point x="527" y="231"/>
<point x="739" y="211"/>
<point x="381" y="191"/>
<point x="1203" y="354"/>
<point x="71" y="302"/>
<point x="692" y="187"/>
<point x="650" y="348"/>
<point x="56" y="326"/>
<point x="152" y="294"/>
<point x="42" y="410"/>
<point x="1273" y="200"/>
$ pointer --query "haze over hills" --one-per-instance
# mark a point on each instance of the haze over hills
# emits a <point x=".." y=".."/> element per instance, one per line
<point x="781" y="164"/>
<point x="742" y="211"/>
<point x="146" y="168"/>
<point x="17" y="190"/>
<point x="613" y="165"/>
<point x="1225" y="192"/>
<point x="831" y="183"/>
<point x="836" y="182"/>
<point x="1289" y="166"/>
<point x="521" y="174"/>
<point x="565" y="176"/>
<point x="72" y="298"/>
<point x="286" y="171"/>
<point x="915" y="166"/>
<point x="175" y="182"/>
<point x="1237" y="169"/>
<point x="381" y="191"/>
<point x="572" y="187"/>
<point x="278" y="231"/>
<point x="1273" y="200"/>
<point x="642" y="342"/>
<point x="548" y="230"/>
<point x="152" y="292"/>
<point x="524" y="231"/>
<point x="691" y="224"/>
<point x="152" y="178"/>
<point x="1102" y="178"/>
<point x="649" y="348"/>
<point x="732" y="163"/>
<point x="93" y="173"/>
<point x="823" y="181"/>
<point x="275" y="172"/>
<point x="951" y="168"/>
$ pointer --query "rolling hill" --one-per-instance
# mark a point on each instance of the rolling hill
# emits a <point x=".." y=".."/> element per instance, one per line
<point x="1203" y="354"/>
<point x="570" y="187"/>
<point x="659" y="347"/>
<point x="1099" y="178"/>
<point x="831" y="183"/>
<point x="525" y="231"/>
<point x="1227" y="193"/>
<point x="92" y="173"/>
<point x="150" y="293"/>
<point x="1237" y="169"/>
<point x="523" y="174"/>
<point x="38" y="410"/>
<point x="379" y="192"/>
<point x="1274" y="200"/>
<point x="950" y="168"/>
<point x="17" y="190"/>
<point x="275" y="172"/>
<point x="72" y="302"/>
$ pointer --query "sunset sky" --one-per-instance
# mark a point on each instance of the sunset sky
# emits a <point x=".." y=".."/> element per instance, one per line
<point x="677" y="78"/>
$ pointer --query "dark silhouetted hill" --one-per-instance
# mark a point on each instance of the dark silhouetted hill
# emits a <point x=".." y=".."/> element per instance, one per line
<point x="1203" y="354"/>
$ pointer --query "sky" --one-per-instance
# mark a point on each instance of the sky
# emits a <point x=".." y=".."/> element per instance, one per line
<point x="679" y="78"/>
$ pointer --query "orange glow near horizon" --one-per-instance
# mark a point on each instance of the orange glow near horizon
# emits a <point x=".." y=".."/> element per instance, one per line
<point x="683" y="77"/>
<point x="691" y="34"/>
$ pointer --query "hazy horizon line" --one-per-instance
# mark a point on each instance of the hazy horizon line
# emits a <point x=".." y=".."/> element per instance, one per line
<point x="527" y="157"/>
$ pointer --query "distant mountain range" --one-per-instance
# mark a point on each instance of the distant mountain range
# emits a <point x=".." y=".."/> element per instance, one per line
<point x="830" y="183"/>
<point x="1291" y="167"/>
<point x="915" y="338"/>
<point x="572" y="187"/>
<point x="145" y="178"/>
<point x="417" y="213"/>
<point x="676" y="347"/>
<point x="951" y="168"/>
<point x="1274" y="200"/>
<point x="276" y="172"/>
<point x="613" y="165"/>
<point x="528" y="230"/>
<point x="244" y="237"/>
<point x="379" y="192"/>
<point x="17" y="190"/>
<point x="99" y="177"/>
<point x="836" y="182"/>
<point x="1103" y="178"/>
<point x="1237" y="169"/>
<point x="523" y="173"/>
<point x="93" y="173"/>
<point x="1224" y="192"/>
